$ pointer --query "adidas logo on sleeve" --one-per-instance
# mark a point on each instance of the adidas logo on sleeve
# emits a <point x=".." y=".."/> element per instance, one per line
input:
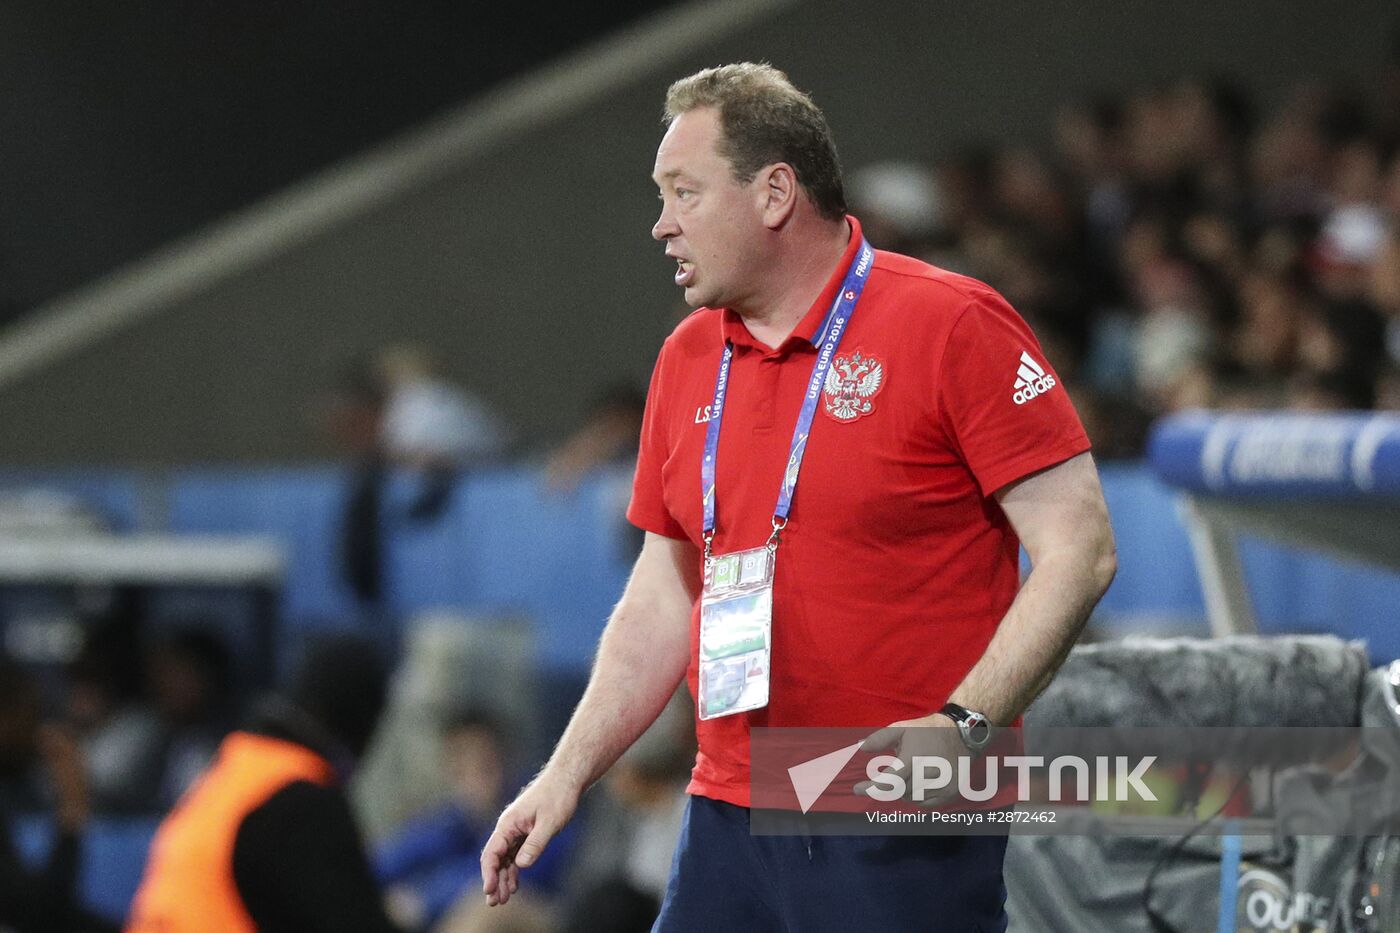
<point x="1031" y="380"/>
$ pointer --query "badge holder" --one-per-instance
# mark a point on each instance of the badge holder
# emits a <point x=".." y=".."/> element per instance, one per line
<point x="736" y="602"/>
<point x="736" y="629"/>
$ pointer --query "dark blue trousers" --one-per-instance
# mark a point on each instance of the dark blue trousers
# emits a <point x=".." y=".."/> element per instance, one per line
<point x="722" y="878"/>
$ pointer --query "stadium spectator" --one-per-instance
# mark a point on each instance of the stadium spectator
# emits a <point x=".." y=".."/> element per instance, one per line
<point x="353" y="421"/>
<point x="266" y="840"/>
<point x="38" y="762"/>
<point x="1388" y="389"/>
<point x="120" y="734"/>
<point x="396" y="410"/>
<point x="190" y="675"/>
<point x="607" y="436"/>
<point x="430" y="422"/>
<point x="429" y="865"/>
<point x="903" y="203"/>
<point x="1384" y="286"/>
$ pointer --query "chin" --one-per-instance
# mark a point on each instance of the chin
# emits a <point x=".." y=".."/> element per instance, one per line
<point x="697" y="298"/>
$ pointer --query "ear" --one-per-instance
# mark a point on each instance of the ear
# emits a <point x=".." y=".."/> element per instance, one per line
<point x="778" y="193"/>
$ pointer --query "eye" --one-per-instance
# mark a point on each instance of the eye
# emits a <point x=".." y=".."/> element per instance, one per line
<point x="683" y="193"/>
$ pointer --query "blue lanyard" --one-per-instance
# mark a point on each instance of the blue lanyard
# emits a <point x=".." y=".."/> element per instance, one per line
<point x="834" y="328"/>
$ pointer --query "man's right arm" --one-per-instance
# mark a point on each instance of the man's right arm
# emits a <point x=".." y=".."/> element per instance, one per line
<point x="641" y="658"/>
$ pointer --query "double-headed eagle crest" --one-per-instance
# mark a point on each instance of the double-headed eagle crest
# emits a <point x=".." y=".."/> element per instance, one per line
<point x="851" y="384"/>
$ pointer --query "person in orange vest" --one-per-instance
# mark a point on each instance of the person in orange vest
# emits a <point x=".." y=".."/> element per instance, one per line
<point x="265" y="840"/>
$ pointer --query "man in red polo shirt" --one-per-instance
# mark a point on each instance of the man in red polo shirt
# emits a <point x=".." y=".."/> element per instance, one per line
<point x="930" y="436"/>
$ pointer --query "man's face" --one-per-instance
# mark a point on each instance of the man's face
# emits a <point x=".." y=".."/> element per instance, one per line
<point x="710" y="223"/>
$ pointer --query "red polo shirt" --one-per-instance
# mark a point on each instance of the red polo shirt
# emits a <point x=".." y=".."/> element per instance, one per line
<point x="897" y="564"/>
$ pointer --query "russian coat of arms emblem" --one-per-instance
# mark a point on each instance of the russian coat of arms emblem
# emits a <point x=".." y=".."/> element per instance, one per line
<point x="851" y="385"/>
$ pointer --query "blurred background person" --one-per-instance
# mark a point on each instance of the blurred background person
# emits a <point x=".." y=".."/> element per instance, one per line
<point x="41" y="771"/>
<point x="353" y="420"/>
<point x="266" y="840"/>
<point x="606" y="437"/>
<point x="190" y="682"/>
<point x="395" y="411"/>
<point x="120" y="733"/>
<point x="429" y="865"/>
<point x="430" y="421"/>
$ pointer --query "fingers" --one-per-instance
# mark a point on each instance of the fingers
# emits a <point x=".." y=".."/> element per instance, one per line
<point x="505" y="882"/>
<point x="534" y="843"/>
<point x="488" y="871"/>
<point x="930" y="800"/>
<point x="505" y="853"/>
<point x="887" y="737"/>
<point x="521" y="834"/>
<point x="502" y="886"/>
<point x="495" y="855"/>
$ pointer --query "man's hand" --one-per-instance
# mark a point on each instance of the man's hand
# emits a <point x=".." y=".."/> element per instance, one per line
<point x="522" y="832"/>
<point x="641" y="660"/>
<point x="932" y="736"/>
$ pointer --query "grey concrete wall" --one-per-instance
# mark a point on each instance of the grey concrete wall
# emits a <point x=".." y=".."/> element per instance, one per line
<point x="530" y="268"/>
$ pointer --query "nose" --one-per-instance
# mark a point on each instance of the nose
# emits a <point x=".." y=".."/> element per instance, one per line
<point x="665" y="226"/>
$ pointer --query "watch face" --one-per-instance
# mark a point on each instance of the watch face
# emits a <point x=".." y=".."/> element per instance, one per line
<point x="975" y="729"/>
<point x="978" y="729"/>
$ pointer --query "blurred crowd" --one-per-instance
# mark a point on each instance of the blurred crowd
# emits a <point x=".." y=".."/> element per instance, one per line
<point x="177" y="727"/>
<point x="141" y="709"/>
<point x="141" y="718"/>
<point x="120" y="730"/>
<point x="1182" y="247"/>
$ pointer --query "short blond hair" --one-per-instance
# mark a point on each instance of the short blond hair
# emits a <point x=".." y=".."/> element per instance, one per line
<point x="765" y="119"/>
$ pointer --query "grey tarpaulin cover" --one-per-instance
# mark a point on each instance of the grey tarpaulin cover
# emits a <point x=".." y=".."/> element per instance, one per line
<point x="1237" y="681"/>
<point x="1094" y="883"/>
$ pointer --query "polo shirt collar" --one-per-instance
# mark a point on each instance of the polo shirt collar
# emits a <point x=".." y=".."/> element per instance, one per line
<point x="809" y="330"/>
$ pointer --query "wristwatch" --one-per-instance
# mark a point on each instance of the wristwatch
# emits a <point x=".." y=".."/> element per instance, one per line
<point x="975" y="729"/>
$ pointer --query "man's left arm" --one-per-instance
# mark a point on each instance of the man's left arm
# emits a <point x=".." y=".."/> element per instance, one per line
<point x="1062" y="521"/>
<point x="1061" y="518"/>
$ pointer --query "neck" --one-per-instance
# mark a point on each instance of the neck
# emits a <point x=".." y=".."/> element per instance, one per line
<point x="797" y="275"/>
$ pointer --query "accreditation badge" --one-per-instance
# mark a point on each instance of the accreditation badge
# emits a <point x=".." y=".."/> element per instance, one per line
<point x="736" y="633"/>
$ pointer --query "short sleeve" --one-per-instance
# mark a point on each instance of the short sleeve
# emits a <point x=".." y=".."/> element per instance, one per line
<point x="1003" y="407"/>
<point x="647" y="510"/>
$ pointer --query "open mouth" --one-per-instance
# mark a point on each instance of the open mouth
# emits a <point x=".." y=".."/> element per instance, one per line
<point x="685" y="272"/>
